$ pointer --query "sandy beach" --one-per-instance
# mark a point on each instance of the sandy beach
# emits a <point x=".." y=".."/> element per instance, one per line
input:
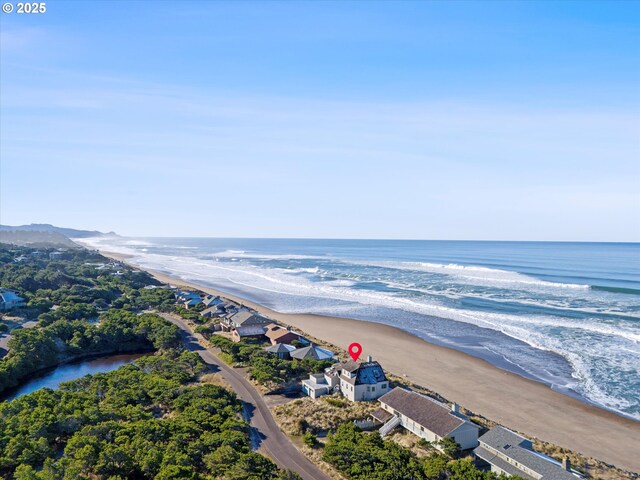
<point x="513" y="401"/>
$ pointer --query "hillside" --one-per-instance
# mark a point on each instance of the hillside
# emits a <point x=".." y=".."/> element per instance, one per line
<point x="47" y="228"/>
<point x="36" y="239"/>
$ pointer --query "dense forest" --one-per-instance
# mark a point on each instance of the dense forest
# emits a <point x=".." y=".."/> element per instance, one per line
<point x="150" y="419"/>
<point x="32" y="349"/>
<point x="63" y="295"/>
<point x="144" y="420"/>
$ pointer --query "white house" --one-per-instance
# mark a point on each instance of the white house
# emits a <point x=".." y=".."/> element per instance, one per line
<point x="512" y="454"/>
<point x="319" y="384"/>
<point x="9" y="300"/>
<point x="426" y="418"/>
<point x="362" y="381"/>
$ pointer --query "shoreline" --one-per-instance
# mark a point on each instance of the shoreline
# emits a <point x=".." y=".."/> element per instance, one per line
<point x="516" y="402"/>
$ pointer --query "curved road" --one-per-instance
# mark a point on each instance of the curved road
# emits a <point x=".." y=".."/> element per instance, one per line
<point x="273" y="442"/>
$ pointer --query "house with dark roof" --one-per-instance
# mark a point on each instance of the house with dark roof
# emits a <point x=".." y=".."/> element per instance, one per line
<point x="362" y="381"/>
<point x="427" y="418"/>
<point x="506" y="452"/>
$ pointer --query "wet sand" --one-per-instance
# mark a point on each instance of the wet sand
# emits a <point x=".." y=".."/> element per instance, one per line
<point x="518" y="403"/>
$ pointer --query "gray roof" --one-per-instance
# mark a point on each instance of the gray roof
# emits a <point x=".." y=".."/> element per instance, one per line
<point x="281" y="348"/>
<point x="250" y="330"/>
<point x="244" y="318"/>
<point x="381" y="415"/>
<point x="208" y="311"/>
<point x="210" y="300"/>
<point x="316" y="353"/>
<point x="432" y="415"/>
<point x="503" y="465"/>
<point x="367" y="373"/>
<point x="520" y="449"/>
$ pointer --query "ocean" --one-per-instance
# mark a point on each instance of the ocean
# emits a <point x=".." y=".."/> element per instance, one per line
<point x="565" y="314"/>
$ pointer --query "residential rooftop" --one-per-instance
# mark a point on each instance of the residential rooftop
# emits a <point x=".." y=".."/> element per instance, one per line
<point x="519" y="449"/>
<point x="423" y="410"/>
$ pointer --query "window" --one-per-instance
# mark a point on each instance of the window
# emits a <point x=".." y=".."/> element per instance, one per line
<point x="373" y="389"/>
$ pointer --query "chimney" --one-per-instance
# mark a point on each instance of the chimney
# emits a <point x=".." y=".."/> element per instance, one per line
<point x="369" y="359"/>
<point x="455" y="408"/>
<point x="566" y="463"/>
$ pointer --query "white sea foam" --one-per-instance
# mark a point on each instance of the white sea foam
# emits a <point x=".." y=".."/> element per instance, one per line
<point x="475" y="274"/>
<point x="258" y="256"/>
<point x="593" y="347"/>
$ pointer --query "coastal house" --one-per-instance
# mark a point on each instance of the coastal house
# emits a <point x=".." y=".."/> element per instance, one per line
<point x="191" y="302"/>
<point x="319" y="384"/>
<point x="278" y="334"/>
<point x="508" y="453"/>
<point x="56" y="255"/>
<point x="426" y="418"/>
<point x="282" y="350"/>
<point x="248" y="331"/>
<point x="362" y="381"/>
<point x="184" y="295"/>
<point x="9" y="300"/>
<point x="313" y="352"/>
<point x="211" y="312"/>
<point x="244" y="318"/>
<point x="211" y="300"/>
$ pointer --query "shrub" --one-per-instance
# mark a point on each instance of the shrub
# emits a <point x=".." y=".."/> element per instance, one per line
<point x="310" y="439"/>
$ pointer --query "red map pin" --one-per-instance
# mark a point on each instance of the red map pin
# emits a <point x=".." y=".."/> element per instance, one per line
<point x="355" y="349"/>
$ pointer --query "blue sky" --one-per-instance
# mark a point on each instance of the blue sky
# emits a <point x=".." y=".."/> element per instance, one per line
<point x="435" y="120"/>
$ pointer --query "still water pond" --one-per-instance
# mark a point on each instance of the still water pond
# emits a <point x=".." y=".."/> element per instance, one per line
<point x="71" y="371"/>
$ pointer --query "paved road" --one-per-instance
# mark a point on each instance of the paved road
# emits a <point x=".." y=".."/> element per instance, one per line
<point x="272" y="441"/>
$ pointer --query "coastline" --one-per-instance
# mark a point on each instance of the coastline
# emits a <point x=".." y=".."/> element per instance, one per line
<point x="519" y="403"/>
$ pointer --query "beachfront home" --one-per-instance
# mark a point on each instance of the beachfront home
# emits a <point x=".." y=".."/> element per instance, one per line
<point x="184" y="295"/>
<point x="191" y="302"/>
<point x="319" y="384"/>
<point x="362" y="381"/>
<point x="282" y="350"/>
<point x="248" y="331"/>
<point x="426" y="418"/>
<point x="56" y="255"/>
<point x="278" y="334"/>
<point x="244" y="318"/>
<point x="211" y="300"/>
<point x="9" y="300"/>
<point x="508" y="453"/>
<point x="313" y="352"/>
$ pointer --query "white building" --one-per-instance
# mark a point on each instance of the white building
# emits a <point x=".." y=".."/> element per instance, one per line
<point x="512" y="454"/>
<point x="426" y="418"/>
<point x="362" y="381"/>
<point x="9" y="300"/>
<point x="319" y="384"/>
